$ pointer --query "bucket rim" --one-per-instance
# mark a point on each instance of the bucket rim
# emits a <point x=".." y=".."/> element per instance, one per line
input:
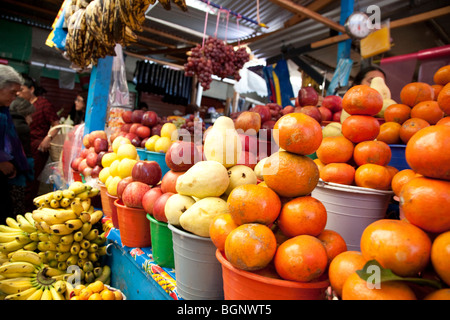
<point x="278" y="282"/>
<point x="186" y="234"/>
<point x="111" y="196"/>
<point x="354" y="189"/>
<point x="155" y="153"/>
<point x="397" y="145"/>
<point x="152" y="219"/>
<point x="117" y="204"/>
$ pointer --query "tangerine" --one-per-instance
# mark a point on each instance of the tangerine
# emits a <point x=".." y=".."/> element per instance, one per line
<point x="335" y="149"/>
<point x="400" y="179"/>
<point x="425" y="203"/>
<point x="410" y="127"/>
<point x="290" y="175"/>
<point x="301" y="258"/>
<point x="397" y="245"/>
<point x="342" y="266"/>
<point x="415" y="92"/>
<point x="302" y="215"/>
<point x="342" y="173"/>
<point x="298" y="133"/>
<point x="440" y="256"/>
<point x="444" y="121"/>
<point x="319" y="163"/>
<point x="250" y="246"/>
<point x="362" y="100"/>
<point x="443" y="99"/>
<point x="359" y="128"/>
<point x="442" y="75"/>
<point x="373" y="176"/>
<point x="441" y="294"/>
<point x="390" y="132"/>
<point x="221" y="225"/>
<point x="427" y="152"/>
<point x="428" y="111"/>
<point x="436" y="88"/>
<point x="373" y="151"/>
<point x="107" y="295"/>
<point x="397" y="112"/>
<point x="333" y="242"/>
<point x="250" y="203"/>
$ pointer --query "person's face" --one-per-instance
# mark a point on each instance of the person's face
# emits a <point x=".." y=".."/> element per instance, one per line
<point x="370" y="75"/>
<point x="8" y="94"/>
<point x="79" y="103"/>
<point x="26" y="93"/>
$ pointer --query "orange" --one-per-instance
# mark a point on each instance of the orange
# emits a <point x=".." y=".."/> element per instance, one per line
<point x="389" y="132"/>
<point x="356" y="288"/>
<point x="301" y="258"/>
<point x="376" y="152"/>
<point x="441" y="294"/>
<point x="373" y="176"/>
<point x="359" y="128"/>
<point x="250" y="246"/>
<point x="362" y="100"/>
<point x="96" y="286"/>
<point x="410" y="127"/>
<point x="107" y="294"/>
<point x="290" y="175"/>
<point x="333" y="242"/>
<point x="415" y="92"/>
<point x="335" y="149"/>
<point x="428" y="111"/>
<point x="397" y="245"/>
<point x="298" y="133"/>
<point x="444" y="121"/>
<point x="400" y="178"/>
<point x="118" y="295"/>
<point x="253" y="203"/>
<point x="440" y="256"/>
<point x="85" y="293"/>
<point x="392" y="171"/>
<point x="319" y="163"/>
<point x="397" y="112"/>
<point x="302" y="215"/>
<point x="342" y="266"/>
<point x="95" y="296"/>
<point x="443" y="99"/>
<point x="342" y="173"/>
<point x="425" y="203"/>
<point x="221" y="225"/>
<point x="442" y="75"/>
<point x="436" y="88"/>
<point x="428" y="152"/>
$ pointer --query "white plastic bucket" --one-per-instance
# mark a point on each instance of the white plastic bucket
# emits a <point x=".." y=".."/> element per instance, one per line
<point x="351" y="209"/>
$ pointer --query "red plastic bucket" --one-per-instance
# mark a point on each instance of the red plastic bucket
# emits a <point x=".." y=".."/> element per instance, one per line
<point x="106" y="207"/>
<point x="114" y="217"/>
<point x="243" y="285"/>
<point x="134" y="226"/>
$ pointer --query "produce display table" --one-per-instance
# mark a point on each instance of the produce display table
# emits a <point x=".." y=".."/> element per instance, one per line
<point x="136" y="274"/>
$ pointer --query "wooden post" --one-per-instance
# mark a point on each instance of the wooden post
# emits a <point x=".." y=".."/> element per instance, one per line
<point x="98" y="97"/>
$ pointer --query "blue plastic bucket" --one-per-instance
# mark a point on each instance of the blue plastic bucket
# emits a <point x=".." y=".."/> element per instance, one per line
<point x="141" y="153"/>
<point x="398" y="159"/>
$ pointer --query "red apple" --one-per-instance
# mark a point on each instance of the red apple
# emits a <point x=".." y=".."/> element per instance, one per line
<point x="134" y="127"/>
<point x="86" y="142"/>
<point x="84" y="153"/>
<point x="143" y="132"/>
<point x="249" y="122"/>
<point x="149" y="199"/>
<point x="86" y="171"/>
<point x="126" y="116"/>
<point x="158" y="208"/>
<point x="95" y="171"/>
<point x="100" y="144"/>
<point x="249" y="143"/>
<point x="82" y="165"/>
<point x="268" y="124"/>
<point x="136" y="116"/>
<point x="75" y="163"/>
<point x="307" y="96"/>
<point x="122" y="185"/>
<point x="91" y="159"/>
<point x="182" y="155"/>
<point x="287" y="109"/>
<point x="169" y="181"/>
<point x="130" y="136"/>
<point x="126" y="127"/>
<point x="248" y="159"/>
<point x="148" y="172"/>
<point x="274" y="106"/>
<point x="96" y="134"/>
<point x="337" y="116"/>
<point x="133" y="193"/>
<point x="332" y="102"/>
<point x="150" y="118"/>
<point x="143" y="141"/>
<point x="156" y="130"/>
<point x="136" y="141"/>
<point x="313" y="112"/>
<point x="264" y="112"/>
<point x="326" y="113"/>
<point x="100" y="157"/>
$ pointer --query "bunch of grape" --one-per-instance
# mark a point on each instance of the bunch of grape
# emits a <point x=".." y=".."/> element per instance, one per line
<point x="217" y="58"/>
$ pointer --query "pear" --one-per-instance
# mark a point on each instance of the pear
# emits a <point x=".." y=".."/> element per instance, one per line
<point x="240" y="175"/>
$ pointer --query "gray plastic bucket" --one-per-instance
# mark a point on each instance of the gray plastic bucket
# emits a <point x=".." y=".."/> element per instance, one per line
<point x="197" y="270"/>
<point x="351" y="209"/>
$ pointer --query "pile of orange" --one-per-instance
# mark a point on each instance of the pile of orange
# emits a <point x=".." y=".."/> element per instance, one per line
<point x="96" y="290"/>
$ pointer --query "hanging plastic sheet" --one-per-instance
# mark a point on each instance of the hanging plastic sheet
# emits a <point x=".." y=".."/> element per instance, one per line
<point x="278" y="83"/>
<point x="57" y="37"/>
<point x="118" y="94"/>
<point x="341" y="75"/>
<point x="250" y="80"/>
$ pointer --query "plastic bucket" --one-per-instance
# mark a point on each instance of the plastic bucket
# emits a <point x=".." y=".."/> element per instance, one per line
<point x="160" y="158"/>
<point x="351" y="209"/>
<point x="198" y="272"/>
<point x="398" y="159"/>
<point x="162" y="245"/>
<point x="114" y="217"/>
<point x="141" y="153"/>
<point x="105" y="201"/>
<point x="244" y="285"/>
<point x="134" y="227"/>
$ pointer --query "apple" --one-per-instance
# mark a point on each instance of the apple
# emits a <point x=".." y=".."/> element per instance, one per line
<point x="100" y="157"/>
<point x="86" y="171"/>
<point x="148" y="172"/>
<point x="130" y="136"/>
<point x="82" y="165"/>
<point x="126" y="116"/>
<point x="134" y="127"/>
<point x="84" y="153"/>
<point x="337" y="116"/>
<point x="136" y="116"/>
<point x="268" y="124"/>
<point x="312" y="111"/>
<point x="133" y="193"/>
<point x="249" y="143"/>
<point x="249" y="122"/>
<point x="264" y="112"/>
<point x="248" y="159"/>
<point x="143" y="132"/>
<point x="332" y="102"/>
<point x="91" y="159"/>
<point x="150" y="118"/>
<point x="136" y="141"/>
<point x="126" y="127"/>
<point x="149" y="198"/>
<point x="75" y="163"/>
<point x="307" y="96"/>
<point x="159" y="206"/>
<point x="143" y="141"/>
<point x="96" y="134"/>
<point x="122" y="185"/>
<point x="169" y="181"/>
<point x="156" y="130"/>
<point x="182" y="155"/>
<point x="326" y="113"/>
<point x="333" y="129"/>
<point x="287" y="109"/>
<point x="96" y="171"/>
<point x="100" y="144"/>
<point x="86" y="142"/>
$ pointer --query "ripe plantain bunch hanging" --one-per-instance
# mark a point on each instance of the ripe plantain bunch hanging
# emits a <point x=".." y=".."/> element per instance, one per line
<point x="94" y="27"/>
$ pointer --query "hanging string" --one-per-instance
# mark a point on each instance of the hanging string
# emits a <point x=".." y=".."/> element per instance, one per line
<point x="238" y="17"/>
<point x="226" y="28"/>
<point x="206" y="24"/>
<point x="257" y="12"/>
<point x="217" y="22"/>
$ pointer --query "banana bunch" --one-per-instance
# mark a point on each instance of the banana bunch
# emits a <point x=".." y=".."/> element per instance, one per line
<point x="25" y="277"/>
<point x="18" y="233"/>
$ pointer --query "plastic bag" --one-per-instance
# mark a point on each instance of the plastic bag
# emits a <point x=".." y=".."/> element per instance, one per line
<point x="118" y="93"/>
<point x="71" y="149"/>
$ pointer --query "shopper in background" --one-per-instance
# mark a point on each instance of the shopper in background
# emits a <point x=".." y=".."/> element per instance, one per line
<point x="365" y="75"/>
<point x="12" y="156"/>
<point x="78" y="112"/>
<point x="44" y="118"/>
<point x="21" y="112"/>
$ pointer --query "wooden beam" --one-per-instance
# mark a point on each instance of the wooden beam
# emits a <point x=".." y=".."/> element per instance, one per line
<point x="314" y="6"/>
<point x="297" y="9"/>
<point x="159" y="43"/>
<point x="177" y="66"/>
<point x="168" y="35"/>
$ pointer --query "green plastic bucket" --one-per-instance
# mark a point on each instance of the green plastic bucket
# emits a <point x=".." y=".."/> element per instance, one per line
<point x="162" y="246"/>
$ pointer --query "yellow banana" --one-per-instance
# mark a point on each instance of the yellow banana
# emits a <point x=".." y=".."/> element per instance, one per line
<point x="60" y="286"/>
<point x="11" y="286"/>
<point x="46" y="294"/>
<point x="29" y="217"/>
<point x="88" y="266"/>
<point x="27" y="256"/>
<point x="54" y="204"/>
<point x="87" y="226"/>
<point x="34" y="236"/>
<point x="4" y="228"/>
<point x="78" y="187"/>
<point x="31" y="246"/>
<point x="63" y="247"/>
<point x="74" y="224"/>
<point x="69" y="291"/>
<point x="85" y="216"/>
<point x="50" y="254"/>
<point x="78" y="236"/>
<point x="85" y="244"/>
<point x="46" y="246"/>
<point x="89" y="277"/>
<point x="24" y="224"/>
<point x="93" y="247"/>
<point x="67" y="239"/>
<point x="45" y="227"/>
<point x="17" y="275"/>
<point x="69" y="194"/>
<point x="83" y="254"/>
<point x="65" y="202"/>
<point x="7" y="237"/>
<point x="61" y="229"/>
<point x="91" y="235"/>
<point x="86" y="204"/>
<point x="11" y="246"/>
<point x="93" y="192"/>
<point x="75" y="248"/>
<point x="17" y="267"/>
<point x="101" y="250"/>
<point x="83" y="195"/>
<point x="76" y="206"/>
<point x="101" y="239"/>
<point x="62" y="265"/>
<point x="55" y="238"/>
<point x="58" y="195"/>
<point x="52" y="272"/>
<point x="96" y="216"/>
<point x="43" y="236"/>
<point x="38" y="215"/>
<point x="21" y="295"/>
<point x="36" y="295"/>
<point x="62" y="256"/>
<point x="12" y="223"/>
<point x="91" y="209"/>
<point x="72" y="260"/>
